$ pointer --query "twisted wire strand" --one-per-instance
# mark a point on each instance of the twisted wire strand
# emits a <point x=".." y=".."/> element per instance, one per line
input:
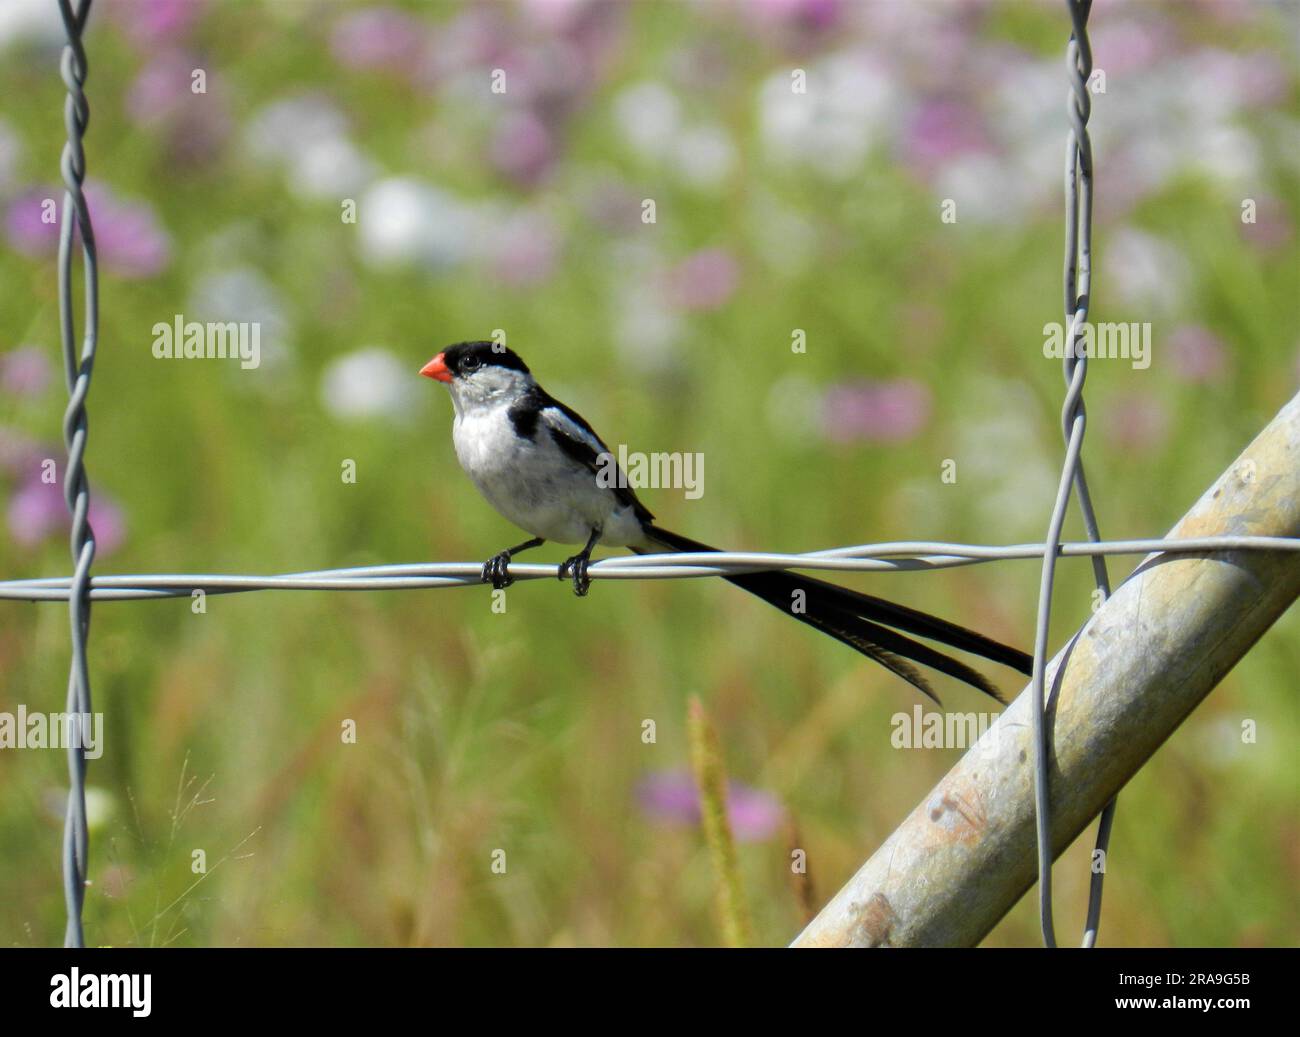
<point x="1079" y="172"/>
<point x="1080" y="62"/>
<point x="896" y="556"/>
<point x="1077" y="284"/>
<point x="76" y="484"/>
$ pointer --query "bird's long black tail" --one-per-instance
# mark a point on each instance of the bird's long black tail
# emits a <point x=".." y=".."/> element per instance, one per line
<point x="862" y="622"/>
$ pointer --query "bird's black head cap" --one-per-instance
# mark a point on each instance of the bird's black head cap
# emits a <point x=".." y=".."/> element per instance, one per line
<point x="464" y="358"/>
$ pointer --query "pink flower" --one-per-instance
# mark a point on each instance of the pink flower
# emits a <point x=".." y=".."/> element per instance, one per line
<point x="1130" y="45"/>
<point x="25" y="222"/>
<point x="522" y="149"/>
<point x="1226" y="12"/>
<point x="1272" y="228"/>
<point x="162" y="98"/>
<point x="19" y="454"/>
<point x="1137" y="422"/>
<point x="382" y="38"/>
<point x="1197" y="353"/>
<point x="704" y="280"/>
<point x="130" y="241"/>
<point x="880" y="411"/>
<point x="524" y="248"/>
<point x="611" y="204"/>
<point x="24" y="371"/>
<point x="1252" y="79"/>
<point x="38" y="511"/>
<point x="159" y="91"/>
<point x="474" y="37"/>
<point x="149" y="22"/>
<point x="796" y="15"/>
<point x="671" y="797"/>
<point x="939" y="130"/>
<point x="554" y="15"/>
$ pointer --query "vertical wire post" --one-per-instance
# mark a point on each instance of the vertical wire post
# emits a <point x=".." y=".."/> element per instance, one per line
<point x="1078" y="287"/>
<point x="1078" y="296"/>
<point x="76" y="485"/>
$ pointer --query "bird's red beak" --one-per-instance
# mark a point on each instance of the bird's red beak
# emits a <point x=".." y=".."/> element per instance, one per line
<point x="436" y="369"/>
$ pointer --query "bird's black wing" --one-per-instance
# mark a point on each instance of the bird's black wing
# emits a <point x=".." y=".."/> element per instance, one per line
<point x="571" y="432"/>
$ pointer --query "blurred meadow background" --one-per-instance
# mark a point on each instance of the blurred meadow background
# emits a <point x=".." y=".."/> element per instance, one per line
<point x="522" y="211"/>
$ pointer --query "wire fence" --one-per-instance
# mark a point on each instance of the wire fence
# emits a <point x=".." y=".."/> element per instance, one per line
<point x="1074" y="422"/>
<point x="76" y="485"/>
<point x="898" y="556"/>
<point x="80" y="589"/>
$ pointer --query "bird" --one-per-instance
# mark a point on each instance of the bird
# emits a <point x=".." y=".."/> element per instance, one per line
<point x="542" y="466"/>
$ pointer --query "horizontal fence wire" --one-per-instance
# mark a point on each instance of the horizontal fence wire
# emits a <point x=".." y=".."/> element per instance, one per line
<point x="896" y="556"/>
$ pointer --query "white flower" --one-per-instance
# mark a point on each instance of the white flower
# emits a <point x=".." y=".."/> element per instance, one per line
<point x="369" y="383"/>
<point x="286" y="126"/>
<point x="985" y="188"/>
<point x="704" y="155"/>
<point x="794" y="408"/>
<point x="1228" y="154"/>
<point x="850" y="103"/>
<point x="331" y="167"/>
<point x="307" y="136"/>
<point x="648" y="116"/>
<point x="646" y="331"/>
<point x="1145" y="271"/>
<point x="403" y="220"/>
<point x="30" y="20"/>
<point x="243" y="294"/>
<point x="998" y="426"/>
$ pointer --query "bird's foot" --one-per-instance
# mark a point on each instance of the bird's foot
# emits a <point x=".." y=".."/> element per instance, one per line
<point x="496" y="571"/>
<point x="577" y="568"/>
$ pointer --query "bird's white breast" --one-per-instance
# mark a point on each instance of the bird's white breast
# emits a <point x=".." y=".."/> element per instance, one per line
<point x="535" y="484"/>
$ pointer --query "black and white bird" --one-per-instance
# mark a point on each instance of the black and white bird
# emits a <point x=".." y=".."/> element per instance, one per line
<point x="539" y="464"/>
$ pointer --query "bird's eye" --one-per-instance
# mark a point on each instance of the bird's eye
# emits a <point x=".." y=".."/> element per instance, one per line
<point x="470" y="363"/>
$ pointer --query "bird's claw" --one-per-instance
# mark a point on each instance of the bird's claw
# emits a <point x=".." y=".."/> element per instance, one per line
<point x="577" y="567"/>
<point x="496" y="571"/>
